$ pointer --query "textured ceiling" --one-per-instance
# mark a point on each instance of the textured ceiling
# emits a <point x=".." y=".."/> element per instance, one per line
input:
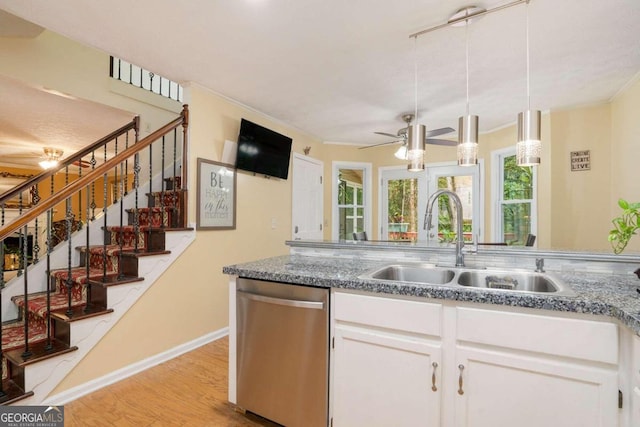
<point x="340" y="70"/>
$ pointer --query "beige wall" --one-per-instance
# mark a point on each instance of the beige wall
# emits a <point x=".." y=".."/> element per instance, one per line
<point x="580" y="199"/>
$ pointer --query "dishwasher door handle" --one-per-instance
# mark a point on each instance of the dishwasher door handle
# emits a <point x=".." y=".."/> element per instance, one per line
<point x="314" y="305"/>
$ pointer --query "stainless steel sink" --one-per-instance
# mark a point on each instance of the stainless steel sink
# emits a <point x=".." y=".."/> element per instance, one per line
<point x="510" y="280"/>
<point x="503" y="280"/>
<point x="413" y="273"/>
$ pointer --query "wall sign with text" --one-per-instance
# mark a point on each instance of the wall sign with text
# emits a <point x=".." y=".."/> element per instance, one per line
<point x="216" y="198"/>
<point x="580" y="160"/>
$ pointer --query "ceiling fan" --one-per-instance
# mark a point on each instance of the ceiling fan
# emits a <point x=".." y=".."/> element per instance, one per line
<point x="401" y="135"/>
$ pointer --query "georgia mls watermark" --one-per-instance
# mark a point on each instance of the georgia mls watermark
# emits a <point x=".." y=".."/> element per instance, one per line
<point x="31" y="416"/>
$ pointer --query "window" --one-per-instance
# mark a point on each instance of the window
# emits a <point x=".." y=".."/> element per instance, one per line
<point x="514" y="196"/>
<point x="352" y="199"/>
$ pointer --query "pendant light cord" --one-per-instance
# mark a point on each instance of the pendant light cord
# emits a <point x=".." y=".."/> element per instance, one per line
<point x="528" y="65"/>
<point x="466" y="37"/>
<point x="415" y="77"/>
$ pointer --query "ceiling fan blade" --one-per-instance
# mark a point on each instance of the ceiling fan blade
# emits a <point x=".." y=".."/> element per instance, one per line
<point x="445" y="142"/>
<point x="81" y="163"/>
<point x="386" y="134"/>
<point x="438" y="132"/>
<point x="384" y="143"/>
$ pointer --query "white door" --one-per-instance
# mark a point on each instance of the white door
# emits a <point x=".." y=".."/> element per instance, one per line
<point x="465" y="182"/>
<point x="499" y="389"/>
<point x="306" y="215"/>
<point x="403" y="200"/>
<point x="385" y="380"/>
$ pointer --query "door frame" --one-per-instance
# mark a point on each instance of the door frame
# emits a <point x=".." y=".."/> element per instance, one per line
<point x="367" y="182"/>
<point x="401" y="172"/>
<point x="479" y="207"/>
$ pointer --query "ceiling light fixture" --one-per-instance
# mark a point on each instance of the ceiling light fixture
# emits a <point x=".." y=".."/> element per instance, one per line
<point x="401" y="153"/>
<point x="529" y="146"/>
<point x="416" y="133"/>
<point x="52" y="156"/>
<point x="467" y="125"/>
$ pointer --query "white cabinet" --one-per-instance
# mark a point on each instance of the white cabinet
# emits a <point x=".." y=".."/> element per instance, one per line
<point x="635" y="380"/>
<point x="505" y="389"/>
<point x="391" y="373"/>
<point x="386" y="362"/>
<point x="490" y="367"/>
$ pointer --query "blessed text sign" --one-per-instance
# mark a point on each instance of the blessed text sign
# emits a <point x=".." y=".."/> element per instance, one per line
<point x="216" y="204"/>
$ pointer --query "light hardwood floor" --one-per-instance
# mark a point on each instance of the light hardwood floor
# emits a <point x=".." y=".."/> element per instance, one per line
<point x="190" y="390"/>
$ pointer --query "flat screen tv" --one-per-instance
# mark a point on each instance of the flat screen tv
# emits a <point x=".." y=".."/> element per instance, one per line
<point x="263" y="151"/>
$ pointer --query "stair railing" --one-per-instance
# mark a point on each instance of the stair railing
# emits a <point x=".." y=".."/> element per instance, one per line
<point x="124" y="165"/>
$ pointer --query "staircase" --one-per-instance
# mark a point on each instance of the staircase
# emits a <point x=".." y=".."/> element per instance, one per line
<point x="110" y="262"/>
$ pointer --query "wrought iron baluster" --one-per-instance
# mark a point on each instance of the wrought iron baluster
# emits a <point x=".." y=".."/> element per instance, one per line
<point x="104" y="211"/>
<point x="2" y="253"/>
<point x="163" y="210"/>
<point x="174" y="195"/>
<point x="115" y="176"/>
<point x="69" y="282"/>
<point x="136" y="213"/>
<point x="87" y="260"/>
<point x="49" y="345"/>
<point x="25" y="313"/>
<point x="21" y="245"/>
<point x="121" y="234"/>
<point x="151" y="76"/>
<point x="93" y="188"/>
<point x="80" y="196"/>
<point x="35" y="255"/>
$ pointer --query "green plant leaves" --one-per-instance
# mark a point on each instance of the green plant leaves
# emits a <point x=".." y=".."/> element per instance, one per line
<point x="625" y="225"/>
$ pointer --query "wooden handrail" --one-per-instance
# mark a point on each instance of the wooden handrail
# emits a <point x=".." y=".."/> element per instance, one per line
<point x="96" y="173"/>
<point x="26" y="185"/>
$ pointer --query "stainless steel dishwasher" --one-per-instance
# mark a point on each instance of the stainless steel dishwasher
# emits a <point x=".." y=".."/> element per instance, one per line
<point x="283" y="352"/>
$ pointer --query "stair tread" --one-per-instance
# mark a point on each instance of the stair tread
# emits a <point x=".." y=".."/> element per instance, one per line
<point x="115" y="280"/>
<point x="13" y="393"/>
<point x="13" y="334"/>
<point x="37" y="302"/>
<point x="38" y="352"/>
<point x="79" y="313"/>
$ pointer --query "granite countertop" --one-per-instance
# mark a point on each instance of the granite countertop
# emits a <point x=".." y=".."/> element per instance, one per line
<point x="604" y="294"/>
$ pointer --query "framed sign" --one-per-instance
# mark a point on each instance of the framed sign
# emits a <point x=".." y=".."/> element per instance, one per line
<point x="216" y="198"/>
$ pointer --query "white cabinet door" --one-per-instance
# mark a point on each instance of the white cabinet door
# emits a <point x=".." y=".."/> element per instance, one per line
<point x="500" y="389"/>
<point x="384" y="379"/>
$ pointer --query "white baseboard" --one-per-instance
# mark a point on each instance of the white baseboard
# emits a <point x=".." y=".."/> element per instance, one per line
<point x="135" y="368"/>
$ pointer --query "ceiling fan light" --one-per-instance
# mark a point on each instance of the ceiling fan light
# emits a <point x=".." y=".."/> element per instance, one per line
<point x="529" y="146"/>
<point x="467" y="149"/>
<point x="402" y="153"/>
<point x="48" y="164"/>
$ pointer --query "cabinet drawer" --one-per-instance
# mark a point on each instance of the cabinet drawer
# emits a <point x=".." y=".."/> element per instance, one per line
<point x="577" y="338"/>
<point x="409" y="316"/>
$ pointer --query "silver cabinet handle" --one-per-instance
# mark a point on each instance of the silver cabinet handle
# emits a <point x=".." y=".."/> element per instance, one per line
<point x="460" y="390"/>
<point x="433" y="377"/>
<point x="315" y="305"/>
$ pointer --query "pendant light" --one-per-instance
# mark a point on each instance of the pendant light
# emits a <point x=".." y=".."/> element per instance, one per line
<point x="467" y="149"/>
<point x="416" y="133"/>
<point x="529" y="146"/>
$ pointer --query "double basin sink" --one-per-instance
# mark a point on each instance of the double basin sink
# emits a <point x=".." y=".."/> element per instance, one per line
<point x="494" y="279"/>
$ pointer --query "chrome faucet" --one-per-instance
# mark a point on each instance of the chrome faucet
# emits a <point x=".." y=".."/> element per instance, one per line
<point x="459" y="235"/>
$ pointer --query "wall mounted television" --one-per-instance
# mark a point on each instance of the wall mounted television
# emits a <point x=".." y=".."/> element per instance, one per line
<point x="263" y="151"/>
